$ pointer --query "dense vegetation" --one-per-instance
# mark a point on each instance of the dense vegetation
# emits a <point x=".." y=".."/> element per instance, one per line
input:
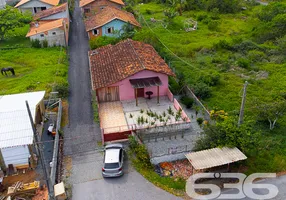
<point x="235" y="41"/>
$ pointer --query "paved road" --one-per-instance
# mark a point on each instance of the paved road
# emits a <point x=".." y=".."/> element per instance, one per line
<point x="279" y="182"/>
<point x="85" y="178"/>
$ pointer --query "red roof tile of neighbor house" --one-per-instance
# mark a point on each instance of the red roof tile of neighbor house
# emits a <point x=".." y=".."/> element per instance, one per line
<point x="113" y="63"/>
<point x="51" y="2"/>
<point x="45" y="25"/>
<point x="85" y="2"/>
<point x="107" y="15"/>
<point x="51" y="11"/>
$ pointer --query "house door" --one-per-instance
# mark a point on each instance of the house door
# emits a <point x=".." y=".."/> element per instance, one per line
<point x="140" y="92"/>
<point x="108" y="94"/>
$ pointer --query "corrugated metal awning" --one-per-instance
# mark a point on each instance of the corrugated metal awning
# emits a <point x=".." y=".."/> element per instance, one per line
<point x="215" y="157"/>
<point x="15" y="127"/>
<point x="145" y="82"/>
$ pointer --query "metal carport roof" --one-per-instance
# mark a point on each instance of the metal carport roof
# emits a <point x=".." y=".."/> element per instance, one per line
<point x="214" y="157"/>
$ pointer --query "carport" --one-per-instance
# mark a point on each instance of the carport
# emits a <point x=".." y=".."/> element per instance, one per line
<point x="215" y="157"/>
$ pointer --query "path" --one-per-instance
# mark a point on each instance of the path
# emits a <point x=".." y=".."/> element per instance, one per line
<point x="83" y="151"/>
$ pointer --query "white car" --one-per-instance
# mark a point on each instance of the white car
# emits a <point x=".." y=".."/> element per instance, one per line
<point x="113" y="160"/>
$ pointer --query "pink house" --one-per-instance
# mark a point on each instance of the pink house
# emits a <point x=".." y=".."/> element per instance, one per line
<point x="128" y="70"/>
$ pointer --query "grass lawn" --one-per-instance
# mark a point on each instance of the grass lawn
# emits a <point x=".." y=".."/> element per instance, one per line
<point x="196" y="49"/>
<point x="36" y="69"/>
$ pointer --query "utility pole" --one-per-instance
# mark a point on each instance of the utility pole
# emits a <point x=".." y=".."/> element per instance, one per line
<point x="241" y="113"/>
<point x="41" y="155"/>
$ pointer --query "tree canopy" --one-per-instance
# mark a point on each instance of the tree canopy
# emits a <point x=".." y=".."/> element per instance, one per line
<point x="11" y="18"/>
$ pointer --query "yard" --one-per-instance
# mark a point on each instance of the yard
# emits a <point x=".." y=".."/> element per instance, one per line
<point x="198" y="55"/>
<point x="36" y="69"/>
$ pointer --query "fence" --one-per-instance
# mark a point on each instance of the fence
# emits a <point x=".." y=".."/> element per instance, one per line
<point x="205" y="112"/>
<point x="56" y="145"/>
<point x="173" y="151"/>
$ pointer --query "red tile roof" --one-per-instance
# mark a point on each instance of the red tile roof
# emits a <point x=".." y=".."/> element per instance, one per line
<point x="51" y="11"/>
<point x="50" y="2"/>
<point x="113" y="63"/>
<point x="85" y="2"/>
<point x="107" y="15"/>
<point x="45" y="25"/>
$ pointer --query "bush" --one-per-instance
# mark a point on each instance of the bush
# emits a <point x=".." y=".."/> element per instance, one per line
<point x="223" y="44"/>
<point x="149" y="12"/>
<point x="62" y="89"/>
<point x="200" y="121"/>
<point x="256" y="56"/>
<point x="187" y="101"/>
<point x="201" y="17"/>
<point x="36" y="43"/>
<point x="102" y="41"/>
<point x="211" y="79"/>
<point x="202" y="90"/>
<point x="213" y="25"/>
<point x="45" y="43"/>
<point x="243" y="63"/>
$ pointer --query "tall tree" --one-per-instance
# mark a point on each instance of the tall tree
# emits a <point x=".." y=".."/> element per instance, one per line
<point x="11" y="18"/>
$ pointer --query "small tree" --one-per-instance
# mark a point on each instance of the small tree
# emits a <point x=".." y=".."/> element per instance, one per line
<point x="11" y="18"/>
<point x="271" y="112"/>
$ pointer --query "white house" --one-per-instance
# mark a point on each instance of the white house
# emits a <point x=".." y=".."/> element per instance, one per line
<point x="51" y="25"/>
<point x="36" y="6"/>
<point x="16" y="133"/>
<point x="2" y="4"/>
<point x="53" y="13"/>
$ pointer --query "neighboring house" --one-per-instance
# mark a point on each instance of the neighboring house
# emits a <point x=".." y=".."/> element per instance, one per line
<point x="90" y="7"/>
<point x="56" y="12"/>
<point x="51" y="25"/>
<point x="108" y="21"/>
<point x="116" y="69"/>
<point x="2" y="4"/>
<point x="16" y="132"/>
<point x="55" y="32"/>
<point x="36" y="6"/>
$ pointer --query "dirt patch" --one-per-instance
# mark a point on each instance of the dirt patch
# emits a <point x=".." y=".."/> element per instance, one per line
<point x="41" y="194"/>
<point x="177" y="169"/>
<point x="65" y="118"/>
<point x="67" y="166"/>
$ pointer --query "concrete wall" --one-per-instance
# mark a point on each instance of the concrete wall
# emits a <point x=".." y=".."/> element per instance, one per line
<point x="57" y="39"/>
<point x="126" y="91"/>
<point x="2" y="4"/>
<point x="29" y="6"/>
<point x="57" y="16"/>
<point x="17" y="156"/>
<point x="97" y="5"/>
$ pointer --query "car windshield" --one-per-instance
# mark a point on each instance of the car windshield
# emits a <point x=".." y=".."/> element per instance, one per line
<point x="111" y="165"/>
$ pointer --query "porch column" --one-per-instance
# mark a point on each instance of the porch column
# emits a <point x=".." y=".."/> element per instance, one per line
<point x="2" y="163"/>
<point x="136" y="96"/>
<point x="158" y="95"/>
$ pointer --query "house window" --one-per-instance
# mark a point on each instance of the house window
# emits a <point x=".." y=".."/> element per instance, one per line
<point x="87" y="10"/>
<point x="109" y="30"/>
<point x="102" y="7"/>
<point x="95" y="31"/>
<point x="42" y="35"/>
<point x="54" y="33"/>
<point x="43" y="8"/>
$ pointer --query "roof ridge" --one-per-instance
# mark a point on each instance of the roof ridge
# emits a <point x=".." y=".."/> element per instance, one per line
<point x="128" y="40"/>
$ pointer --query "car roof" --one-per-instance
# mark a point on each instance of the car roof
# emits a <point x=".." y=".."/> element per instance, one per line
<point x="117" y="145"/>
<point x="112" y="156"/>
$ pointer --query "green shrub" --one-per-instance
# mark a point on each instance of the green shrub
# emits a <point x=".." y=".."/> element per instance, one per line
<point x="211" y="79"/>
<point x="201" y="17"/>
<point x="202" y="90"/>
<point x="36" y="43"/>
<point x="200" y="121"/>
<point x="45" y="43"/>
<point x="187" y="101"/>
<point x="62" y="89"/>
<point x="223" y="44"/>
<point x="213" y="25"/>
<point x="102" y="41"/>
<point x="148" y="11"/>
<point x="256" y="56"/>
<point x="243" y="63"/>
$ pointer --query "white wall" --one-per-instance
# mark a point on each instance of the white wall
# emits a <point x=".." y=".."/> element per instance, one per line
<point x="16" y="155"/>
<point x="57" y="16"/>
<point x="29" y="6"/>
<point x="2" y="4"/>
<point x="57" y="39"/>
